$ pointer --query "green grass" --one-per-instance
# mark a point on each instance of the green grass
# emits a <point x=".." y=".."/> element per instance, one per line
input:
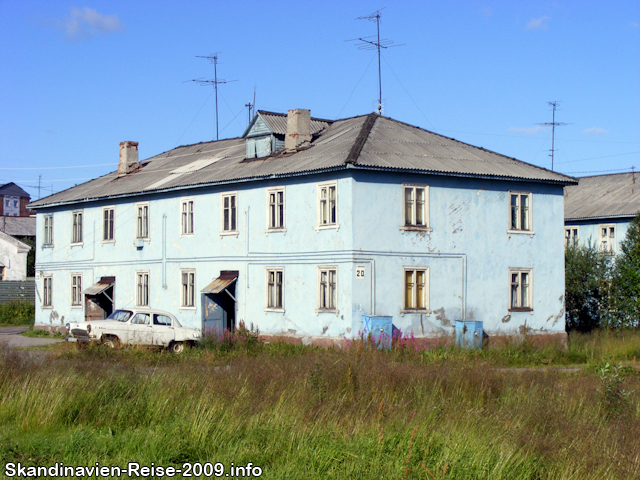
<point x="17" y="312"/>
<point x="42" y="334"/>
<point x="309" y="413"/>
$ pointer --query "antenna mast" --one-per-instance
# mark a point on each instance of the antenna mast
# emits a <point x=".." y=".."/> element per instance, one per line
<point x="377" y="45"/>
<point x="213" y="59"/>
<point x="553" y="124"/>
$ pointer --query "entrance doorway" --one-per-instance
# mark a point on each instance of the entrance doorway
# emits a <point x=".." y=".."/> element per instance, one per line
<point x="99" y="299"/>
<point x="219" y="303"/>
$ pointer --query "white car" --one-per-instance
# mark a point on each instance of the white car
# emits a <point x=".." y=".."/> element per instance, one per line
<point x="135" y="326"/>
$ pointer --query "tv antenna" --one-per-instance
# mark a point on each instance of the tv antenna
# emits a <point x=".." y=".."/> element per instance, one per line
<point x="215" y="82"/>
<point x="251" y="105"/>
<point x="553" y="124"/>
<point x="375" y="45"/>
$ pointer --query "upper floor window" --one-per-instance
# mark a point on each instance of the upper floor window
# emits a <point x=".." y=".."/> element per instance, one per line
<point x="571" y="236"/>
<point x="275" y="214"/>
<point x="415" y="206"/>
<point x="327" y="288"/>
<point x="76" y="231"/>
<point x="275" y="290"/>
<point x="186" y="215"/>
<point x="142" y="289"/>
<point x="416" y="288"/>
<point x="47" y="290"/>
<point x="521" y="291"/>
<point x="142" y="220"/>
<point x="108" y="219"/>
<point x="607" y="240"/>
<point x="327" y="204"/>
<point x="229" y="213"/>
<point x="520" y="211"/>
<point x="188" y="297"/>
<point x="76" y="289"/>
<point x="48" y="230"/>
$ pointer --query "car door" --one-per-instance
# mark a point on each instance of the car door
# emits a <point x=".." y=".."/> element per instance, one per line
<point x="141" y="331"/>
<point x="163" y="330"/>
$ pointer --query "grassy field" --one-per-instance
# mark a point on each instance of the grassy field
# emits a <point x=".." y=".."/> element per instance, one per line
<point x="301" y="412"/>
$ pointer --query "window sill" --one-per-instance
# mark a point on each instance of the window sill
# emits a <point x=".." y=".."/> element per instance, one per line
<point x="275" y="230"/>
<point x="327" y="310"/>
<point x="531" y="233"/>
<point x="113" y="242"/>
<point x="410" y="311"/>
<point x="142" y="239"/>
<point x="521" y="309"/>
<point x="48" y="245"/>
<point x="229" y="233"/>
<point x="331" y="226"/>
<point x="46" y="306"/>
<point x="416" y="228"/>
<point x="188" y="307"/>
<point x="78" y="244"/>
<point x="274" y="310"/>
<point x="187" y="235"/>
<point x="76" y="307"/>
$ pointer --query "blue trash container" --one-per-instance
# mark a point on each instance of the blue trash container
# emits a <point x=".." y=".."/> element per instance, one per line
<point x="468" y="334"/>
<point x="380" y="327"/>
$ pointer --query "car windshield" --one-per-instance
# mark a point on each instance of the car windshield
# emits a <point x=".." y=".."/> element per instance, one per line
<point x="120" y="315"/>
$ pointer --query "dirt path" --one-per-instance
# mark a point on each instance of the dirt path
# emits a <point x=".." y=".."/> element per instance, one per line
<point x="12" y="338"/>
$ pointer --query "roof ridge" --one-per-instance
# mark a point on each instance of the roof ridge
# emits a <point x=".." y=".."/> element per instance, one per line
<point x="267" y="112"/>
<point x="361" y="139"/>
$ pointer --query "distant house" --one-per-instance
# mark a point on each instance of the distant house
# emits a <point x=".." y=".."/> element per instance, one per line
<point x="13" y="258"/>
<point x="304" y="226"/>
<point x="600" y="208"/>
<point x="14" y="201"/>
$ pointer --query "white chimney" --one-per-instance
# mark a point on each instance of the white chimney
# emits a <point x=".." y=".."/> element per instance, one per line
<point x="128" y="157"/>
<point x="298" y="128"/>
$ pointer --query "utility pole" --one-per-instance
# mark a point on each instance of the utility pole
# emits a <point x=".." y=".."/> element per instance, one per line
<point x="553" y="124"/>
<point x="377" y="45"/>
<point x="39" y="179"/>
<point x="213" y="59"/>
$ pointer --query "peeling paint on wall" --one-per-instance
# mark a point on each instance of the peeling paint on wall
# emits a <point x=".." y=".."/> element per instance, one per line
<point x="506" y="318"/>
<point x="440" y="316"/>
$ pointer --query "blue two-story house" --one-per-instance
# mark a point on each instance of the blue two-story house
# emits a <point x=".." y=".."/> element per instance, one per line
<point x="303" y="226"/>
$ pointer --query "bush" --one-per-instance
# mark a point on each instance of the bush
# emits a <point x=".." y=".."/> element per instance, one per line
<point x="587" y="274"/>
<point x="17" y="312"/>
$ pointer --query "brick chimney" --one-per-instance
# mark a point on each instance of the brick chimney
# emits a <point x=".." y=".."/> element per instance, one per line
<point x="298" y="128"/>
<point x="128" y="157"/>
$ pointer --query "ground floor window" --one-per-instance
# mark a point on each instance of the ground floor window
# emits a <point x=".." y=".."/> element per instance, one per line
<point x="275" y="289"/>
<point x="47" y="290"/>
<point x="327" y="288"/>
<point x="520" y="296"/>
<point x="416" y="287"/>
<point x="188" y="288"/>
<point x="142" y="289"/>
<point x="76" y="289"/>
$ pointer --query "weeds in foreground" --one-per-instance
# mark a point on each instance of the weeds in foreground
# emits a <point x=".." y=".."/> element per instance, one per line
<point x="17" y="312"/>
<point x="614" y="399"/>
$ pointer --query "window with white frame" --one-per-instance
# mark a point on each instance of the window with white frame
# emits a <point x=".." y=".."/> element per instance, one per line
<point x="142" y="289"/>
<point x="47" y="237"/>
<point x="229" y="213"/>
<point x="415" y="206"/>
<point x="521" y="289"/>
<point x="108" y="219"/>
<point x="416" y="289"/>
<point x="275" y="213"/>
<point x="142" y="220"/>
<point x="275" y="288"/>
<point x="520" y="211"/>
<point x="76" y="289"/>
<point x="327" y="204"/>
<point x="607" y="239"/>
<point x="328" y="288"/>
<point x="188" y="279"/>
<point x="571" y="236"/>
<point x="76" y="228"/>
<point x="47" y="290"/>
<point x="186" y="216"/>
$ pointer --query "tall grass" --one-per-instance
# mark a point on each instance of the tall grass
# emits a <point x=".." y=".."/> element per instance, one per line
<point x="17" y="312"/>
<point x="314" y="413"/>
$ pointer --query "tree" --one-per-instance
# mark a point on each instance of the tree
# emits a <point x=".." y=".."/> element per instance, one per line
<point x="587" y="274"/>
<point x="624" y="308"/>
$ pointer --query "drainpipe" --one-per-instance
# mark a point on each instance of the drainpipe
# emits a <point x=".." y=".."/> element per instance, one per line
<point x="164" y="251"/>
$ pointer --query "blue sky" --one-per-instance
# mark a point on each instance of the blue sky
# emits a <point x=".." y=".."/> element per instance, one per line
<point x="78" y="78"/>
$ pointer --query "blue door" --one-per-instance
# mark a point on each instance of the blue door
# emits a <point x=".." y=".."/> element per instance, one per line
<point x="214" y="317"/>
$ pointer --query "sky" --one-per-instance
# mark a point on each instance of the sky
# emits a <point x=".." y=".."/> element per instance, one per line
<point x="77" y="78"/>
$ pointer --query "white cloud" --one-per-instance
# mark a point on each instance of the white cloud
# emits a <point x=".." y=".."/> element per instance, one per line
<point x="538" y="23"/>
<point x="84" y="23"/>
<point x="527" y="131"/>
<point x="595" y="131"/>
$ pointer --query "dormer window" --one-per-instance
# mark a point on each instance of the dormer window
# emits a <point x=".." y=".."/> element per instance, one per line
<point x="258" y="147"/>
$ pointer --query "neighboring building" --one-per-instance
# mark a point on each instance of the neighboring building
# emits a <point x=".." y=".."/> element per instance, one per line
<point x="13" y="258"/>
<point x="14" y="201"/>
<point x="359" y="216"/>
<point x="599" y="210"/>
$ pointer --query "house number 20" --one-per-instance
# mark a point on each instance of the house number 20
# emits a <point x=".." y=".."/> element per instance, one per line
<point x="360" y="272"/>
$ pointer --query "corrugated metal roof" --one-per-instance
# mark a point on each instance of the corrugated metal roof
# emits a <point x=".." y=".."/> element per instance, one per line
<point x="218" y="285"/>
<point x="603" y="196"/>
<point x="277" y="122"/>
<point x="100" y="287"/>
<point x="18" y="226"/>
<point x="11" y="189"/>
<point x="380" y="143"/>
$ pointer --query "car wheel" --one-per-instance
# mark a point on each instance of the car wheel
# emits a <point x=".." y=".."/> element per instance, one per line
<point x="111" y="342"/>
<point x="176" y="347"/>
